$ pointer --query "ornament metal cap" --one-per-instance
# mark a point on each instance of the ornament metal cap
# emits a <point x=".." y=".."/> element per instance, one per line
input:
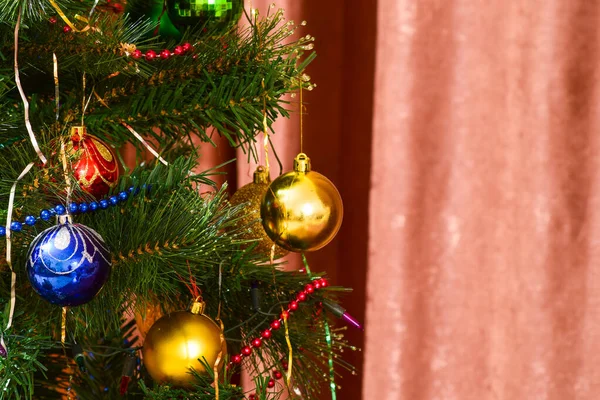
<point x="302" y="163"/>
<point x="198" y="307"/>
<point x="262" y="175"/>
<point x="64" y="219"/>
<point x="78" y="132"/>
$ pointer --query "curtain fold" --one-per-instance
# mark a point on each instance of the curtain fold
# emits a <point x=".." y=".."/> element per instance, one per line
<point x="483" y="270"/>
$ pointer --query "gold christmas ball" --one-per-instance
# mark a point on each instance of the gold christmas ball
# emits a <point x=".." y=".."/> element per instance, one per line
<point x="302" y="210"/>
<point x="251" y="196"/>
<point x="175" y="343"/>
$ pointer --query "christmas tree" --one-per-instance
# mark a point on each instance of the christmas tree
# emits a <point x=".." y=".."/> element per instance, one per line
<point x="130" y="280"/>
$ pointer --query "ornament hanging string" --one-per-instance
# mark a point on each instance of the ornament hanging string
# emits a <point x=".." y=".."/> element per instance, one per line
<point x="301" y="120"/>
<point x="83" y="102"/>
<point x="34" y="142"/>
<point x="56" y="87"/>
<point x="265" y="128"/>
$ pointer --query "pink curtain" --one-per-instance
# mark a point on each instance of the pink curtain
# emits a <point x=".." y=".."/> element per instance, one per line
<point x="484" y="249"/>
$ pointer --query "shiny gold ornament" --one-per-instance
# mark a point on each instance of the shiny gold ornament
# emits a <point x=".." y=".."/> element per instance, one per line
<point x="252" y="195"/>
<point x="175" y="343"/>
<point x="302" y="210"/>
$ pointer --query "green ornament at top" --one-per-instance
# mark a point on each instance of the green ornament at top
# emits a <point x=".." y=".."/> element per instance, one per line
<point x="218" y="15"/>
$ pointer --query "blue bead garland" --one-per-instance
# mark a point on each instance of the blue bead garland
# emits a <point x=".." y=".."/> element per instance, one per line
<point x="74" y="208"/>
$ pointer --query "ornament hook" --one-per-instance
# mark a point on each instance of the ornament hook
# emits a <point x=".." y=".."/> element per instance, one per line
<point x="302" y="163"/>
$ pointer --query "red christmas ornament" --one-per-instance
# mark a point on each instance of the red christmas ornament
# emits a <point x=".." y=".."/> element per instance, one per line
<point x="67" y="29"/>
<point x="137" y="54"/>
<point x="178" y="50"/>
<point x="257" y="342"/>
<point x="277" y="374"/>
<point x="252" y="397"/>
<point x="293" y="305"/>
<point x="53" y="20"/>
<point x="96" y="168"/>
<point x="271" y="383"/>
<point x="187" y="47"/>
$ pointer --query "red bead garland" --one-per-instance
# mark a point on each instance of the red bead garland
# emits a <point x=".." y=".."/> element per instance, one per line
<point x="276" y="324"/>
<point x="163" y="54"/>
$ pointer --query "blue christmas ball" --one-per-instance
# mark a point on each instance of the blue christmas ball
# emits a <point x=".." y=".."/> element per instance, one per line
<point x="68" y="264"/>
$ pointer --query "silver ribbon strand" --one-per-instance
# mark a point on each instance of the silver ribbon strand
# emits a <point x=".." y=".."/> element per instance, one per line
<point x="13" y="279"/>
<point x="141" y="139"/>
<point x="23" y="96"/>
<point x="93" y="8"/>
